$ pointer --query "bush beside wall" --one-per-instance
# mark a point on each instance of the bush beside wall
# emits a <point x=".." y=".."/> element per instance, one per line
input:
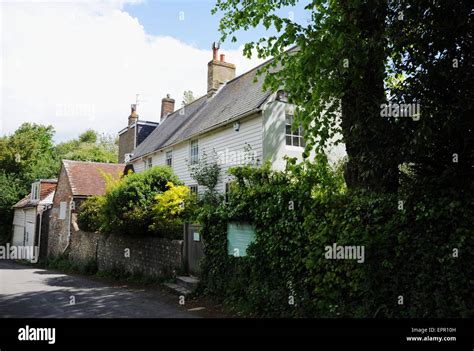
<point x="152" y="202"/>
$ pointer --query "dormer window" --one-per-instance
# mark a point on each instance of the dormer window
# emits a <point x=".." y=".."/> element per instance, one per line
<point x="35" y="191"/>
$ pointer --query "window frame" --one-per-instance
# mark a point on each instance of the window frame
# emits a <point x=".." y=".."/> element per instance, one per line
<point x="35" y="191"/>
<point x="148" y="162"/>
<point x="291" y="135"/>
<point x="169" y="160"/>
<point x="194" y="192"/>
<point x="194" y="151"/>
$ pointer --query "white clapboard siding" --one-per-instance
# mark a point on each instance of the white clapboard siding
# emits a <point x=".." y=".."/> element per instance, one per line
<point x="22" y="216"/>
<point x="19" y="217"/>
<point x="224" y="140"/>
<point x="30" y="214"/>
<point x="18" y="235"/>
<point x="138" y="166"/>
<point x="231" y="145"/>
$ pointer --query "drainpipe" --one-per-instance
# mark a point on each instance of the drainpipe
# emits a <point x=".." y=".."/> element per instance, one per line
<point x="69" y="226"/>
<point x="24" y="225"/>
<point x="39" y="232"/>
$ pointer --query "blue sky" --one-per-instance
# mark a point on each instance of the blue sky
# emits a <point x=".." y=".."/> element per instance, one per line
<point x="80" y="64"/>
<point x="198" y="27"/>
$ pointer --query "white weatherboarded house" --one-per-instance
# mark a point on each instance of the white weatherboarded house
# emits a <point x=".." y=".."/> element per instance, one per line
<point x="237" y="121"/>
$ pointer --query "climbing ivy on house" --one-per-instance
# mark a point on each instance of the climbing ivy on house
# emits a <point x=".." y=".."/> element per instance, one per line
<point x="416" y="245"/>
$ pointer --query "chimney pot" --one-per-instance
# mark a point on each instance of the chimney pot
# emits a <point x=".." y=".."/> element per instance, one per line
<point x="218" y="71"/>
<point x="215" y="50"/>
<point x="133" y="115"/>
<point x="167" y="106"/>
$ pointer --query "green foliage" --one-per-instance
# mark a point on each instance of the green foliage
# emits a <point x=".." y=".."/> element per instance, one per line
<point x="298" y="212"/>
<point x="352" y="56"/>
<point x="89" y="146"/>
<point x="139" y="204"/>
<point x="170" y="207"/>
<point x="89" y="217"/>
<point x="89" y="136"/>
<point x="30" y="154"/>
<point x="431" y="47"/>
<point x="206" y="173"/>
<point x="11" y="191"/>
<point x="26" y="155"/>
<point x="62" y="263"/>
<point x="128" y="206"/>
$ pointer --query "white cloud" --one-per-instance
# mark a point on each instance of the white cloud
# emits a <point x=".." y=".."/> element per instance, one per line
<point x="80" y="65"/>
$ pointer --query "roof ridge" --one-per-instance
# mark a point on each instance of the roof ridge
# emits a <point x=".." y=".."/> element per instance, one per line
<point x="188" y="120"/>
<point x="250" y="70"/>
<point x="187" y="105"/>
<point x="93" y="162"/>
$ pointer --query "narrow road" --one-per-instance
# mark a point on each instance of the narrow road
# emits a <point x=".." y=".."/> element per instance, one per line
<point x="28" y="292"/>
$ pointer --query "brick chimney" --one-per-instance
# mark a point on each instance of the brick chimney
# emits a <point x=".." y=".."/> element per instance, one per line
<point x="218" y="71"/>
<point x="133" y="115"/>
<point x="167" y="106"/>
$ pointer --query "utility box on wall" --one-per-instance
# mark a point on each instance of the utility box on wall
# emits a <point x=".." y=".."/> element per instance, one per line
<point x="239" y="237"/>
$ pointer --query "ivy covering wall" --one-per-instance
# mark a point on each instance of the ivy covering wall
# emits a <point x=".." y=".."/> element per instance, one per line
<point x="417" y="248"/>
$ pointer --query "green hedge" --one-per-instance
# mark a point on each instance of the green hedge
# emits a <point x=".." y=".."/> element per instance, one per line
<point x="408" y="248"/>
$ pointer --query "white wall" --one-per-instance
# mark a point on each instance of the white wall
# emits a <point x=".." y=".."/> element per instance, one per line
<point x="229" y="145"/>
<point x="24" y="215"/>
<point x="21" y="217"/>
<point x="274" y="142"/>
<point x="264" y="132"/>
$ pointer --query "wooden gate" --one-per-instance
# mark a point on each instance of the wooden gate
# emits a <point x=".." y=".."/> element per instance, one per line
<point x="193" y="248"/>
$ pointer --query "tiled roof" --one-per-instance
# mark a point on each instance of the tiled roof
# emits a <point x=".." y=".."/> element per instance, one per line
<point x="235" y="98"/>
<point x="86" y="178"/>
<point x="47" y="187"/>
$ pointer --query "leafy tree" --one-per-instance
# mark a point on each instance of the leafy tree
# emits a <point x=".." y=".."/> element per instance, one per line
<point x="431" y="53"/>
<point x="11" y="190"/>
<point x="29" y="152"/>
<point x="89" y="136"/>
<point x="26" y="155"/>
<point x="351" y="57"/>
<point x="90" y="146"/>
